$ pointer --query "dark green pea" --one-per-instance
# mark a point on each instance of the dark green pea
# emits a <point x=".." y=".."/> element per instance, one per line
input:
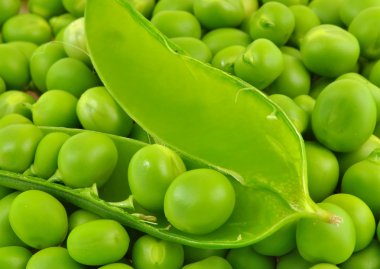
<point x="46" y="8"/>
<point x="14" y="257"/>
<point x="374" y="75"/>
<point x="8" y="236"/>
<point x="368" y="258"/>
<point x="27" y="48"/>
<point x="58" y="23"/>
<point x="151" y="253"/>
<point x="194" y="47"/>
<point x="45" y="158"/>
<point x="75" y="7"/>
<point x="210" y="262"/>
<point x="247" y="258"/>
<point x="3" y="87"/>
<point x="81" y="216"/>
<point x="18" y="143"/>
<point x="53" y="257"/>
<point x="349" y="9"/>
<point x="13" y="118"/>
<point x="225" y="58"/>
<point x="145" y="7"/>
<point x="27" y="27"/>
<point x="221" y="38"/>
<point x="14" y="102"/>
<point x="328" y="11"/>
<point x="42" y="59"/>
<point x="98" y="111"/>
<point x="185" y="5"/>
<point x="9" y="8"/>
<point x="71" y="75"/>
<point x="14" y="68"/>
<point x="98" y="242"/>
<point x="4" y="191"/>
<point x="318" y="85"/>
<point x="293" y="260"/>
<point x="194" y="254"/>
<point x="186" y="24"/>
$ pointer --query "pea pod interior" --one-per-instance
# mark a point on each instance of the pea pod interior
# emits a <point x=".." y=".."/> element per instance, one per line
<point x="207" y="116"/>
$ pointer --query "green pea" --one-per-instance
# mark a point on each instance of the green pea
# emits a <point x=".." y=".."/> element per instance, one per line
<point x="322" y="171"/>
<point x="4" y="191"/>
<point x="14" y="68"/>
<point x="53" y="257"/>
<point x="328" y="11"/>
<point x="13" y="101"/>
<point x="145" y="7"/>
<point x="367" y="258"/>
<point x="98" y="111"/>
<point x="71" y="75"/>
<point x="75" y="42"/>
<point x="8" y="236"/>
<point x="27" y="27"/>
<point x="186" y="24"/>
<point x="116" y="266"/>
<point x="291" y="51"/>
<point x="185" y="5"/>
<point x="246" y="258"/>
<point x="27" y="48"/>
<point x="14" y="257"/>
<point x="351" y="8"/>
<point x="98" y="242"/>
<point x="225" y="58"/>
<point x="294" y="79"/>
<point x="219" y="14"/>
<point x="18" y="142"/>
<point x="278" y="243"/>
<point x="324" y="266"/>
<point x="75" y="7"/>
<point x="3" y="87"/>
<point x="318" y="85"/>
<point x="13" y="118"/>
<point x="46" y="8"/>
<point x="151" y="253"/>
<point x="194" y="254"/>
<point x="9" y="8"/>
<point x="321" y="241"/>
<point x="374" y="75"/>
<point x="260" y="64"/>
<point x="81" y="216"/>
<point x="59" y="23"/>
<point x="344" y="115"/>
<point x="210" y="262"/>
<point x="221" y="38"/>
<point x="81" y="153"/>
<point x="138" y="133"/>
<point x="194" y="47"/>
<point x="207" y="191"/>
<point x="55" y="108"/>
<point x="307" y="103"/>
<point x="42" y="59"/>
<point x="293" y="260"/>
<point x="361" y="215"/>
<point x="153" y="167"/>
<point x="45" y="158"/>
<point x="38" y="219"/>
<point x="289" y="2"/>
<point x="273" y="21"/>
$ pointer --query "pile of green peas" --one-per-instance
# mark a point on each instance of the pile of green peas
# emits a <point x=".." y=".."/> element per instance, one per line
<point x="318" y="60"/>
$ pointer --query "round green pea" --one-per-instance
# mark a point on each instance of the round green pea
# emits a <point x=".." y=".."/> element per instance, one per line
<point x="185" y="5"/>
<point x="153" y="167"/>
<point x="374" y="75"/>
<point x="328" y="11"/>
<point x="324" y="266"/>
<point x="75" y="7"/>
<point x="83" y="152"/>
<point x="194" y="47"/>
<point x="98" y="242"/>
<point x="193" y="200"/>
<point x="225" y="58"/>
<point x="13" y="118"/>
<point x="116" y="266"/>
<point x="145" y="7"/>
<point x="38" y="219"/>
<point x="9" y="8"/>
<point x="27" y="48"/>
<point x="293" y="260"/>
<point x="58" y="23"/>
<point x="349" y="9"/>
<point x="14" y="257"/>
<point x="53" y="257"/>
<point x="46" y="8"/>
<point x="367" y="258"/>
<point x="27" y="27"/>
<point x="246" y="257"/>
<point x="81" y="216"/>
<point x="194" y="254"/>
<point x="16" y="102"/>
<point x="210" y="262"/>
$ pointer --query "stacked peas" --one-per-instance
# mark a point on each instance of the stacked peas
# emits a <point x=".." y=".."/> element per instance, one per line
<point x="317" y="60"/>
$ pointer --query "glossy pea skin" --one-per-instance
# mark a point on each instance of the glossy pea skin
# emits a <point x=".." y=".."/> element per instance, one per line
<point x="71" y="75"/>
<point x="185" y="5"/>
<point x="14" y="257"/>
<point x="322" y="170"/>
<point x="344" y="116"/>
<point x="9" y="8"/>
<point x="13" y="102"/>
<point x="46" y="8"/>
<point x="193" y="200"/>
<point x="361" y="215"/>
<point x="289" y="2"/>
<point x="329" y="50"/>
<point x="14" y="68"/>
<point x="260" y="64"/>
<point x="327" y="11"/>
<point x="186" y="24"/>
<point x="83" y="152"/>
<point x="194" y="254"/>
<point x="219" y="14"/>
<point x="210" y="262"/>
<point x="75" y="7"/>
<point x="81" y="216"/>
<point x="18" y="143"/>
<point x="53" y="257"/>
<point x="98" y="111"/>
<point x="293" y="260"/>
<point x="247" y="258"/>
<point x="145" y="7"/>
<point x="225" y="58"/>
<point x="98" y="242"/>
<point x="42" y="59"/>
<point x="8" y="236"/>
<point x="194" y="47"/>
<point x="151" y="253"/>
<point x="273" y="21"/>
<point x="367" y="258"/>
<point x="153" y="167"/>
<point x="320" y="241"/>
<point x="45" y="158"/>
<point x="221" y="38"/>
<point x="351" y="8"/>
<point x="38" y="219"/>
<point x="27" y="27"/>
<point x="116" y="266"/>
<point x="324" y="266"/>
<point x="59" y="23"/>
<point x="27" y="48"/>
<point x="55" y="108"/>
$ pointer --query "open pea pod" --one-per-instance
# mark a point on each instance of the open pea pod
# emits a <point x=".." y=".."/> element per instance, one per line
<point x="205" y="115"/>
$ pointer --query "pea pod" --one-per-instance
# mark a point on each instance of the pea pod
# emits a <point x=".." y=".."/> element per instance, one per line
<point x="208" y="116"/>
